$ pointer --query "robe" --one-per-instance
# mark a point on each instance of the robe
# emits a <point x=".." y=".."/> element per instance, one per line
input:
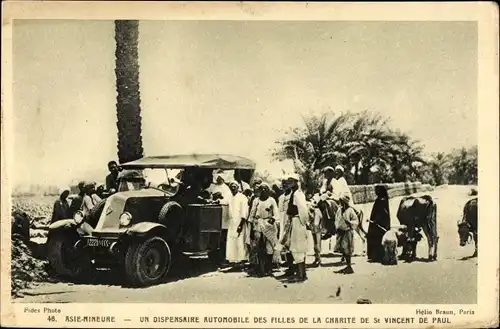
<point x="345" y="221"/>
<point x="87" y="204"/>
<point x="227" y="196"/>
<point x="344" y="189"/>
<point x="333" y="187"/>
<point x="60" y="211"/>
<point x="263" y="211"/>
<point x="236" y="250"/>
<point x="298" y="234"/>
<point x="379" y="220"/>
<point x="283" y="218"/>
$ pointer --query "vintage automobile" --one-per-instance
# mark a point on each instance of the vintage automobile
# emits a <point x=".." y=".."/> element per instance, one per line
<point x="158" y="212"/>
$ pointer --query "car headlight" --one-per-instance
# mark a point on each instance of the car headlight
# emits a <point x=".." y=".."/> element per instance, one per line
<point x="125" y="219"/>
<point x="78" y="217"/>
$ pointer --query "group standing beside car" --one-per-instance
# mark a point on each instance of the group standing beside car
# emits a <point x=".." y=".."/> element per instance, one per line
<point x="263" y="224"/>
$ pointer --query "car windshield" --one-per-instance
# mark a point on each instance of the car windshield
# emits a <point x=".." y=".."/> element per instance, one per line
<point x="166" y="180"/>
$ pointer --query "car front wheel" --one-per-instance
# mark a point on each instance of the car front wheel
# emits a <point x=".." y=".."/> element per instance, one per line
<point x="148" y="262"/>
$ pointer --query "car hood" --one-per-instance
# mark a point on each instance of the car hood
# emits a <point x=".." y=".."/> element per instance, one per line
<point x="109" y="222"/>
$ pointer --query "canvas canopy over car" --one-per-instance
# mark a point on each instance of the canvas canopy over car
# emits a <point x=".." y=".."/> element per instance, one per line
<point x="209" y="161"/>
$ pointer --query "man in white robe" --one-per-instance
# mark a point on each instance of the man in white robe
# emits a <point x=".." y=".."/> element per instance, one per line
<point x="342" y="184"/>
<point x="236" y="251"/>
<point x="298" y="213"/>
<point x="220" y="192"/>
<point x="330" y="184"/>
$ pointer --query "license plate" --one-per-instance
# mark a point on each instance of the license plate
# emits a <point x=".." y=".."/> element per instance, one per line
<point x="98" y="243"/>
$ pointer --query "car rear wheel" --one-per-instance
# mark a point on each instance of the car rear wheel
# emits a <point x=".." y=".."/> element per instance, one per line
<point x="65" y="259"/>
<point x="148" y="262"/>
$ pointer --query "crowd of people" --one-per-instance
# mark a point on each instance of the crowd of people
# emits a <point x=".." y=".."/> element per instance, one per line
<point x="268" y="223"/>
<point x="266" y="226"/>
<point x="89" y="194"/>
<point x="66" y="207"/>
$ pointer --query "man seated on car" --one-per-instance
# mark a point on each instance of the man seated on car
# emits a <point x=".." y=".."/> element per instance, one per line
<point x="112" y="177"/>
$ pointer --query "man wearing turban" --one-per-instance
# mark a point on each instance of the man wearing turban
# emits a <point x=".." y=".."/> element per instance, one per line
<point x="345" y="221"/>
<point x="222" y="194"/>
<point x="342" y="184"/>
<point x="298" y="213"/>
<point x="264" y="215"/>
<point x="236" y="252"/>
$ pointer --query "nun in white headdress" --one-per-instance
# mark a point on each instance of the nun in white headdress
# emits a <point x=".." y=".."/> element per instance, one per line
<point x="220" y="190"/>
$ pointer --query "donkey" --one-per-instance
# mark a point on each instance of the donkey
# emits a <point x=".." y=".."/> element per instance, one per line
<point x="322" y="213"/>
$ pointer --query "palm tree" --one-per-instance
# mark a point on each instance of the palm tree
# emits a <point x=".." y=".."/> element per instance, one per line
<point x="314" y="146"/>
<point x="367" y="145"/>
<point x="128" y="100"/>
<point x="404" y="154"/>
<point x="463" y="165"/>
<point x="438" y="167"/>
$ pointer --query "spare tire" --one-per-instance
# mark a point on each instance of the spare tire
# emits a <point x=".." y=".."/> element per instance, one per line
<point x="94" y="213"/>
<point x="172" y="216"/>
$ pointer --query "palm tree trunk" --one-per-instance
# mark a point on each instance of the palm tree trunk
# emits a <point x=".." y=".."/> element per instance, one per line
<point x="128" y="100"/>
<point x="356" y="174"/>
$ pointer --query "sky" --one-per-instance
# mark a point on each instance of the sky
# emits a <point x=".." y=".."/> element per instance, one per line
<point x="232" y="87"/>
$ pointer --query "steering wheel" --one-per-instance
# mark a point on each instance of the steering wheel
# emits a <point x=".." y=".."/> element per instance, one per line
<point x="164" y="186"/>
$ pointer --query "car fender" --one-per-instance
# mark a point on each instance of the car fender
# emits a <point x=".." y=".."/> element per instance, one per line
<point x="69" y="224"/>
<point x="62" y="224"/>
<point x="145" y="228"/>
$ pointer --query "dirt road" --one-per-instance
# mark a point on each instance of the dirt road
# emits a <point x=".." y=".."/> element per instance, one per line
<point x="450" y="280"/>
